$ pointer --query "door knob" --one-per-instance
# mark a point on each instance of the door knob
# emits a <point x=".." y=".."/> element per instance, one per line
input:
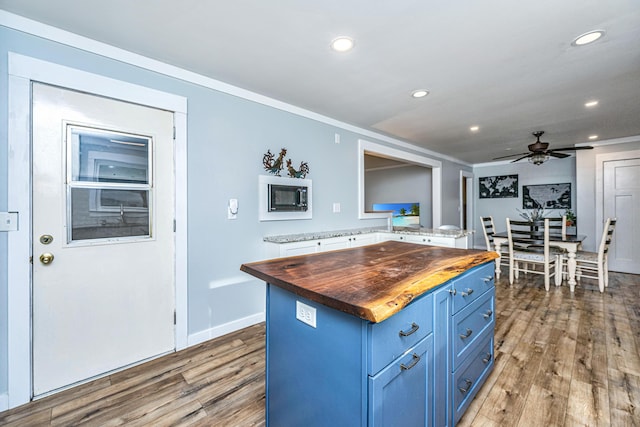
<point x="46" y="258"/>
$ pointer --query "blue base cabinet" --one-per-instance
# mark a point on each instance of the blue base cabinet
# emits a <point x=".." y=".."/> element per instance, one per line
<point x="407" y="370"/>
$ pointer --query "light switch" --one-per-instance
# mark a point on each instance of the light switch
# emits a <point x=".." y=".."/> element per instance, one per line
<point x="336" y="207"/>
<point x="8" y="221"/>
<point x="232" y="209"/>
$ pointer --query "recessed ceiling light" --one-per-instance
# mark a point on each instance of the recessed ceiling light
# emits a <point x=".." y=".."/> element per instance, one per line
<point x="591" y="103"/>
<point x="587" y="38"/>
<point x="342" y="44"/>
<point x="593" y="136"/>
<point x="474" y="128"/>
<point x="420" y="93"/>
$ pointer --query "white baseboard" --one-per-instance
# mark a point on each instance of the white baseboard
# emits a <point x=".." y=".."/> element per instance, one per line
<point x="218" y="331"/>
<point x="4" y="402"/>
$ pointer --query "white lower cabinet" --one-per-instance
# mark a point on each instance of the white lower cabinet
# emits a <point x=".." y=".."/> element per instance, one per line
<point x="343" y="242"/>
<point x="321" y="245"/>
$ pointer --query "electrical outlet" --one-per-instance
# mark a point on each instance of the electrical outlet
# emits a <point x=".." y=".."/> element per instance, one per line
<point x="336" y="208"/>
<point x="306" y="314"/>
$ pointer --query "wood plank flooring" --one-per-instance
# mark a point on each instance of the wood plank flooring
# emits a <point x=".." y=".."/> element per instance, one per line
<point x="561" y="359"/>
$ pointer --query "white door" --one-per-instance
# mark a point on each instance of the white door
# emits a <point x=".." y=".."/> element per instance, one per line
<point x="103" y="241"/>
<point x="621" y="181"/>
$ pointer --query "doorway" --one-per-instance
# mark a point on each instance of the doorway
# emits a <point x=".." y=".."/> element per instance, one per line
<point x="23" y="71"/>
<point x="621" y="183"/>
<point x="102" y="218"/>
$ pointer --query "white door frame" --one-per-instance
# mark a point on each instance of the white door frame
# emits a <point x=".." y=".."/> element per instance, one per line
<point x="600" y="202"/>
<point x="22" y="71"/>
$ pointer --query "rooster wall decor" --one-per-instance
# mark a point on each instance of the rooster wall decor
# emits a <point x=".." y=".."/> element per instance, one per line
<point x="300" y="173"/>
<point x="273" y="165"/>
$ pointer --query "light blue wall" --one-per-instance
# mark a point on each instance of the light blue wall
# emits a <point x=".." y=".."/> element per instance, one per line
<point x="227" y="137"/>
<point x="554" y="171"/>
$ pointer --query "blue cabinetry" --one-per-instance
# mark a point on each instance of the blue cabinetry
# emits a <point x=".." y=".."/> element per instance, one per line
<point x="407" y="370"/>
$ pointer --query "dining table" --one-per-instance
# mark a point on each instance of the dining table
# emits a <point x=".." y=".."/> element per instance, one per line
<point x="570" y="242"/>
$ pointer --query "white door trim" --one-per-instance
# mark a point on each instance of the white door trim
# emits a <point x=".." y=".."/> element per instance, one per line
<point x="22" y="71"/>
<point x="600" y="160"/>
<point x="369" y="147"/>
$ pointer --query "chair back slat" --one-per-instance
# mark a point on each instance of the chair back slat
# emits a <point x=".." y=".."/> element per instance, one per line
<point x="558" y="226"/>
<point x="489" y="230"/>
<point x="528" y="236"/>
<point x="607" y="236"/>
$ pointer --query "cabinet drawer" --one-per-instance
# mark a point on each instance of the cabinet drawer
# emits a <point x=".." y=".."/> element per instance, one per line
<point x="471" y="375"/>
<point x="472" y="285"/>
<point x="470" y="324"/>
<point x="394" y="336"/>
<point x="448" y="242"/>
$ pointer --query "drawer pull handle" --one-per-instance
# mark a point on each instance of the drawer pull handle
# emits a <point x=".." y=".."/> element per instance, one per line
<point x="487" y="358"/>
<point x="468" y="384"/>
<point x="453" y="291"/>
<point x="488" y="314"/>
<point x="414" y="328"/>
<point x="467" y="334"/>
<point x="488" y="279"/>
<point x="413" y="363"/>
<point x="466" y="294"/>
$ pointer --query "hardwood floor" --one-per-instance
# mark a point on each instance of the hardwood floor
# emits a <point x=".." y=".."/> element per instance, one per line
<point x="561" y="360"/>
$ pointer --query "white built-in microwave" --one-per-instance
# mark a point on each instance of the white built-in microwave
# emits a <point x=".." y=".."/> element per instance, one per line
<point x="283" y="198"/>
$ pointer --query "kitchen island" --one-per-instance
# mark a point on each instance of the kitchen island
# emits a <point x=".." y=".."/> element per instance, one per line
<point x="386" y="334"/>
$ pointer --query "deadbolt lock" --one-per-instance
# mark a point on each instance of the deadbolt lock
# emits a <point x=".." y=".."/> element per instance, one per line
<point x="46" y="258"/>
<point x="45" y="239"/>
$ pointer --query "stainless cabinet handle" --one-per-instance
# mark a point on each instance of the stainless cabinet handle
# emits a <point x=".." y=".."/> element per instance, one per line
<point x="414" y="328"/>
<point x="467" y="334"/>
<point x="465" y="294"/>
<point x="488" y="279"/>
<point x="453" y="291"/>
<point x="487" y="314"/>
<point x="468" y="384"/>
<point x="413" y="363"/>
<point x="487" y="358"/>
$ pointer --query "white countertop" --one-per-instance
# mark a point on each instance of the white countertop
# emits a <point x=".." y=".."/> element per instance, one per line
<point x="301" y="237"/>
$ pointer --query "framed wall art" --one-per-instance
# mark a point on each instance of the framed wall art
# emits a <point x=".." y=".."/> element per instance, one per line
<point x="498" y="187"/>
<point x="546" y="196"/>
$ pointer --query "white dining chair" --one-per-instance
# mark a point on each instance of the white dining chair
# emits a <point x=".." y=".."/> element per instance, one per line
<point x="529" y="250"/>
<point x="594" y="265"/>
<point x="489" y="229"/>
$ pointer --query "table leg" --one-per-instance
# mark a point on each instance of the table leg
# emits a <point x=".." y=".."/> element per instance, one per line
<point x="498" y="260"/>
<point x="571" y="268"/>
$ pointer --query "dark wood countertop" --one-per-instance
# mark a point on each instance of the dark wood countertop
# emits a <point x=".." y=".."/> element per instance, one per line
<point x="372" y="282"/>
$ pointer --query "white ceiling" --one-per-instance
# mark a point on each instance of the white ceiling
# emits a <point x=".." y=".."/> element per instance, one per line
<point x="506" y="66"/>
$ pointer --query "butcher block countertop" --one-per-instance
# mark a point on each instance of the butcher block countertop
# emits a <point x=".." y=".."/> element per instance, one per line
<point x="371" y="282"/>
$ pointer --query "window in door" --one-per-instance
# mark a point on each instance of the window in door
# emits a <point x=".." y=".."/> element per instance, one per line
<point x="109" y="185"/>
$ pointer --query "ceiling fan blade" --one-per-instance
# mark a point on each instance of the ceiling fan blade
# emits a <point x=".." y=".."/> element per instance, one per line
<point x="558" y="155"/>
<point x="523" y="157"/>
<point x="511" y="155"/>
<point x="572" y="148"/>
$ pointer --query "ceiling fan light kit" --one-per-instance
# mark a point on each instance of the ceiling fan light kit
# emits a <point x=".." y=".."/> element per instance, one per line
<point x="538" y="158"/>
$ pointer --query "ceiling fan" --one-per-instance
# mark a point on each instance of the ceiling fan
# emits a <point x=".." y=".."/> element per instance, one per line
<point x="539" y="151"/>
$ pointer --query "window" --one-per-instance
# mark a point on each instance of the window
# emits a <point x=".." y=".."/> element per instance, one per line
<point x="109" y="184"/>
